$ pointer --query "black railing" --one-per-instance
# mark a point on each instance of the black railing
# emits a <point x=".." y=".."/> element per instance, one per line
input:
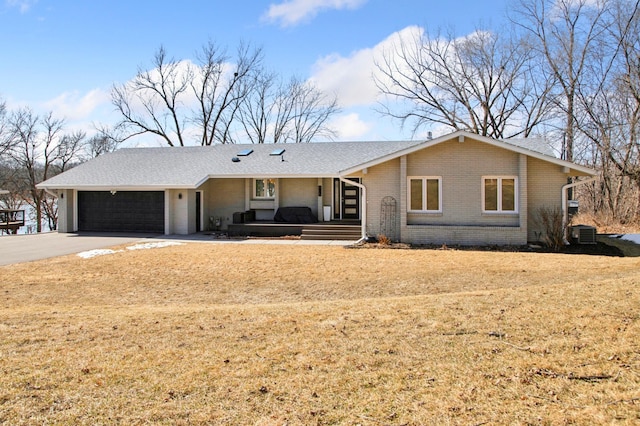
<point x="11" y="220"/>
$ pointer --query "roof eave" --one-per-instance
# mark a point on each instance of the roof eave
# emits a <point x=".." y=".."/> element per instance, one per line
<point x="90" y="187"/>
<point x="273" y="176"/>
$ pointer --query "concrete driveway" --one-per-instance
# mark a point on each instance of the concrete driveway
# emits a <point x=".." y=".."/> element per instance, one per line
<point x="30" y="247"/>
<point x="26" y="248"/>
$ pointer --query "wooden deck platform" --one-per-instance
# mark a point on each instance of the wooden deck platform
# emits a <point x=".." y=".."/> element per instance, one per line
<point x="11" y="220"/>
<point x="333" y="230"/>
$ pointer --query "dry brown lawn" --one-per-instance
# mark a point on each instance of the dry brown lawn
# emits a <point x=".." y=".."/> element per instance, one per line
<point x="298" y="335"/>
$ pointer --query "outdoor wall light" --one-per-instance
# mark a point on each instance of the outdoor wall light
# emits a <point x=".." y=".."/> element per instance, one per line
<point x="180" y="196"/>
<point x="113" y="192"/>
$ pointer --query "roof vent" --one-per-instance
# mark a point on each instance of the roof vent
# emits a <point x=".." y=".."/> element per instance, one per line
<point x="235" y="159"/>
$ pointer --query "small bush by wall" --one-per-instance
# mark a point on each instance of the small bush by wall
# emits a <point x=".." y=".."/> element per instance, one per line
<point x="550" y="219"/>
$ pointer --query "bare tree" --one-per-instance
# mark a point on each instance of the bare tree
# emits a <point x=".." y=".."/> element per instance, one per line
<point x="265" y="107"/>
<point x="483" y="83"/>
<point x="40" y="150"/>
<point x="152" y="103"/>
<point x="310" y="113"/>
<point x="68" y="150"/>
<point x="220" y="91"/>
<point x="6" y="141"/>
<point x="8" y="180"/>
<point x="35" y="147"/>
<point x="293" y="112"/>
<point x="106" y="139"/>
<point x="569" y="35"/>
<point x="7" y="170"/>
<point x="174" y="95"/>
<point x="100" y="144"/>
<point x="611" y="105"/>
<point x="219" y="99"/>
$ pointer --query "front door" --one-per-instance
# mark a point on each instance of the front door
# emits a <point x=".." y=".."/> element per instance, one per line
<point x="350" y="200"/>
<point x="198" y="211"/>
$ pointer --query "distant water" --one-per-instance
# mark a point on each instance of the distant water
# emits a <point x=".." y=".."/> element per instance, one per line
<point x="29" y="221"/>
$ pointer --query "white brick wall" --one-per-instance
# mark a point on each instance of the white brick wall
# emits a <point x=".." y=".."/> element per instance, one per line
<point x="545" y="190"/>
<point x="299" y="192"/>
<point x="223" y="197"/>
<point x="382" y="181"/>
<point x="464" y="235"/>
<point x="461" y="166"/>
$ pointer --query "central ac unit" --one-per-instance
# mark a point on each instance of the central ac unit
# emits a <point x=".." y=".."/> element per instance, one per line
<point x="583" y="234"/>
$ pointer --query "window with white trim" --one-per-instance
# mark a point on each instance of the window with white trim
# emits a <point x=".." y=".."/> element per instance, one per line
<point x="500" y="194"/>
<point x="264" y="188"/>
<point x="425" y="194"/>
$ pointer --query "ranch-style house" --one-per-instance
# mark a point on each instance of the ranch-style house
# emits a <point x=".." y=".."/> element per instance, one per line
<point x="460" y="188"/>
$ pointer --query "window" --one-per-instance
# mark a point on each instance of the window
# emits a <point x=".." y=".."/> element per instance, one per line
<point x="264" y="188"/>
<point x="425" y="194"/>
<point x="499" y="194"/>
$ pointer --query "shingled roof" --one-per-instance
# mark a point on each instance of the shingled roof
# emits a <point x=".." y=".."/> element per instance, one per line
<point x="189" y="167"/>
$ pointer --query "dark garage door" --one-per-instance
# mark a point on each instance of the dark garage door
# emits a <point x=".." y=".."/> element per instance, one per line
<point x="124" y="211"/>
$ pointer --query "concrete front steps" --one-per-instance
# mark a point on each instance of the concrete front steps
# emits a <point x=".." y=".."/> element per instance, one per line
<point x="331" y="232"/>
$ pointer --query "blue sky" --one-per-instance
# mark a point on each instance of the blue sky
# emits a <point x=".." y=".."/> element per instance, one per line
<point x="64" y="56"/>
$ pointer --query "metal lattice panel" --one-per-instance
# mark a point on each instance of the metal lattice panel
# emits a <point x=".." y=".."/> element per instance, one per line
<point x="388" y="218"/>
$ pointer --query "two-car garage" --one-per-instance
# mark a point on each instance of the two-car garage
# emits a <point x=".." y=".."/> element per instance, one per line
<point x="121" y="211"/>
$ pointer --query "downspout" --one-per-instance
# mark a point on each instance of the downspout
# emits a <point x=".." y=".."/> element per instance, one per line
<point x="565" y="212"/>
<point x="363" y="203"/>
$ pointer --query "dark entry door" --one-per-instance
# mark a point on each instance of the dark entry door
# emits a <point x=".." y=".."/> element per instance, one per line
<point x="350" y="200"/>
<point x="198" y="211"/>
<point x="121" y="211"/>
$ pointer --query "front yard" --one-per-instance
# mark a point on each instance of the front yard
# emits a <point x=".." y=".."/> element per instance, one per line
<point x="265" y="334"/>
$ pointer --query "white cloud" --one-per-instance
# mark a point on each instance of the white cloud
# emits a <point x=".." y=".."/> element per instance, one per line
<point x="293" y="12"/>
<point x="350" y="127"/>
<point x="75" y="106"/>
<point x="23" y="5"/>
<point x="351" y="78"/>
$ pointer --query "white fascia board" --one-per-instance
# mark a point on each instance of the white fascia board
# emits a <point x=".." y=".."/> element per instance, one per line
<point x="270" y="175"/>
<point x="117" y="187"/>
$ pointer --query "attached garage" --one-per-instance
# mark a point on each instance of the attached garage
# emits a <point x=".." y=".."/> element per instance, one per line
<point x="122" y="211"/>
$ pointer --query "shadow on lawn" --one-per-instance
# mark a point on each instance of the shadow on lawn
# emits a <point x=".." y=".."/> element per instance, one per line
<point x="625" y="248"/>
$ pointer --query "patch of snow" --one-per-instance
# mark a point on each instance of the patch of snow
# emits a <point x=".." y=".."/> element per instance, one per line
<point x="98" y="252"/>
<point x="145" y="246"/>
<point x="141" y="246"/>
<point x="634" y="238"/>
